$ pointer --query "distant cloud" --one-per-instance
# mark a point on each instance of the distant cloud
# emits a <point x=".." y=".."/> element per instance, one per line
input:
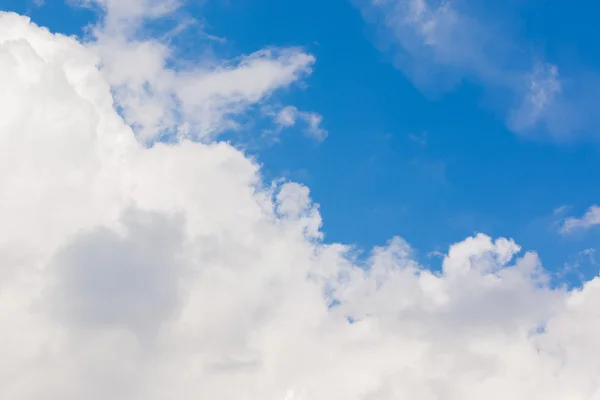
<point x="590" y="255"/>
<point x="560" y="210"/>
<point x="437" y="44"/>
<point x="420" y="139"/>
<point x="543" y="85"/>
<point x="589" y="219"/>
<point x="289" y="116"/>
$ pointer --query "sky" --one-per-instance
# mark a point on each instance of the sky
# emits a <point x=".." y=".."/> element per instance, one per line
<point x="268" y="200"/>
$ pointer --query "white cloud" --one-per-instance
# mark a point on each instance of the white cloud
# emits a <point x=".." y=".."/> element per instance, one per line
<point x="438" y="44"/>
<point x="174" y="271"/>
<point x="540" y="93"/>
<point x="157" y="98"/>
<point x="120" y="15"/>
<point x="435" y="43"/>
<point x="560" y="210"/>
<point x="288" y="117"/>
<point x="589" y="219"/>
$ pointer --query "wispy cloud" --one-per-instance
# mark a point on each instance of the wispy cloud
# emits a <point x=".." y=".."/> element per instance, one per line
<point x="290" y="116"/>
<point x="438" y="44"/>
<point x="158" y="95"/>
<point x="435" y="43"/>
<point x="560" y="210"/>
<point x="588" y="220"/>
<point x="542" y="87"/>
<point x="420" y="139"/>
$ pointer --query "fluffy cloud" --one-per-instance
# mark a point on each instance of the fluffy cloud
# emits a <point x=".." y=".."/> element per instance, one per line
<point x="438" y="44"/>
<point x="160" y="96"/>
<point x="174" y="271"/>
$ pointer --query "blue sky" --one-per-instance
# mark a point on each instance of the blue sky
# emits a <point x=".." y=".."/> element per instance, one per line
<point x="433" y="158"/>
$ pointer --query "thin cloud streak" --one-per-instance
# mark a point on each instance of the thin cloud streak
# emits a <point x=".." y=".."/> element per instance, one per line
<point x="439" y="44"/>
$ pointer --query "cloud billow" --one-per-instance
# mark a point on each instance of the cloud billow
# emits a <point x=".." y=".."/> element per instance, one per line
<point x="173" y="271"/>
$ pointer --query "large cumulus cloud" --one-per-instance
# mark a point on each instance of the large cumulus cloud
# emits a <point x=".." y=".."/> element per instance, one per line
<point x="175" y="272"/>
